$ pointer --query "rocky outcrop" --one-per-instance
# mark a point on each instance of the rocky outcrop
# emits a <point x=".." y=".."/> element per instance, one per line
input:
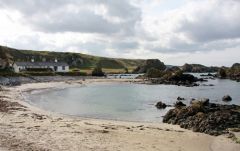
<point x="198" y="68"/>
<point x="180" y="98"/>
<point x="227" y="98"/>
<point x="161" y="105"/>
<point x="179" y="104"/>
<point x="178" y="78"/>
<point x="148" y="64"/>
<point x="10" y="81"/>
<point x="205" y="117"/>
<point x="232" y="73"/>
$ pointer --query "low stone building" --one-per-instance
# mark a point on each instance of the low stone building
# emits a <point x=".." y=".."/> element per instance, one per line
<point x="54" y="66"/>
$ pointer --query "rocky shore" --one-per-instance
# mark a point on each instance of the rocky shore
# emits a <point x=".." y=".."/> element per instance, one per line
<point x="187" y="80"/>
<point x="205" y="117"/>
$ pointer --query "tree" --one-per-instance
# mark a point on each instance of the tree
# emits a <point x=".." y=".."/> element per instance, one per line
<point x="126" y="70"/>
<point x="97" y="71"/>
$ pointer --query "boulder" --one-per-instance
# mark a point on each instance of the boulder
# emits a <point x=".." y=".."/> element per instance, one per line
<point x="179" y="104"/>
<point x="161" y="105"/>
<point x="179" y="98"/>
<point x="205" y="101"/>
<point x="226" y="98"/>
<point x="205" y="117"/>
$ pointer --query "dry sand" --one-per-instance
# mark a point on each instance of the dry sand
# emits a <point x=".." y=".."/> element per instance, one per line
<point x="30" y="128"/>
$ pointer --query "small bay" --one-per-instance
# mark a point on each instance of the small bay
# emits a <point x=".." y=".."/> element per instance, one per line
<point x="129" y="101"/>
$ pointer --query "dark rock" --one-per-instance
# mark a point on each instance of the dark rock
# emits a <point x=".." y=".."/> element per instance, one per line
<point x="179" y="98"/>
<point x="198" y="68"/>
<point x="161" y="105"/>
<point x="177" y="78"/>
<point x="207" y="75"/>
<point x="179" y="104"/>
<point x="205" y="117"/>
<point x="226" y="98"/>
<point x="208" y="85"/>
<point x="205" y="101"/>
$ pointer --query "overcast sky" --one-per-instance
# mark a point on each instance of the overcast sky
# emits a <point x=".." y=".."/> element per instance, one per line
<point x="174" y="31"/>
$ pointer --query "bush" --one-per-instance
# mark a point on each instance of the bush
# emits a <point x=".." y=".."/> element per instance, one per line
<point x="97" y="71"/>
<point x="126" y="70"/>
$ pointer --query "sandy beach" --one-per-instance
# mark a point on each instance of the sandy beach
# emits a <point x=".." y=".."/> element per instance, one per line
<point x="26" y="127"/>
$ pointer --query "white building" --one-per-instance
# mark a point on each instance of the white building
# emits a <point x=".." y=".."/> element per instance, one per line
<point x="55" y="66"/>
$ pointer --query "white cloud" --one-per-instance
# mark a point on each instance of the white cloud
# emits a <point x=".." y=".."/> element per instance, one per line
<point x="175" y="31"/>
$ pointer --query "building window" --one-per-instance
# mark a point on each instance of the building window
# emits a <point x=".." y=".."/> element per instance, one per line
<point x="63" y="67"/>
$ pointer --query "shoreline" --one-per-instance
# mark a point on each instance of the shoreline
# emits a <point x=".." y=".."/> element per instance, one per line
<point x="37" y="129"/>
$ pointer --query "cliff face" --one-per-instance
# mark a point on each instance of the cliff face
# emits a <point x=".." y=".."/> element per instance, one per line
<point x="75" y="60"/>
<point x="198" y="68"/>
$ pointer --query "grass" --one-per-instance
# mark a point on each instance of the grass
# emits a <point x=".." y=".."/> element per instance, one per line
<point x="75" y="60"/>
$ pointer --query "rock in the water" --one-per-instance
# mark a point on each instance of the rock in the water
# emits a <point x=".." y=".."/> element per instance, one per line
<point x="161" y="105"/>
<point x="178" y="78"/>
<point x="226" y="98"/>
<point x="179" y="98"/>
<point x="205" y="101"/>
<point x="179" y="104"/>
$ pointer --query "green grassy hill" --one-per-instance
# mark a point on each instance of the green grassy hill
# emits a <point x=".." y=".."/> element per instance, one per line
<point x="75" y="60"/>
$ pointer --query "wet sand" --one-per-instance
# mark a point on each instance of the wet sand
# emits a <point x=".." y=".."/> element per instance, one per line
<point x="26" y="127"/>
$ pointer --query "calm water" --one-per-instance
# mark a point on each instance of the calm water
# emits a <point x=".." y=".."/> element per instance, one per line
<point x="126" y="101"/>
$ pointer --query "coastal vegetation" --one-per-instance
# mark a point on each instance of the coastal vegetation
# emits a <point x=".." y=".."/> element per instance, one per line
<point x="84" y="62"/>
<point x="150" y="64"/>
<point x="97" y="71"/>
